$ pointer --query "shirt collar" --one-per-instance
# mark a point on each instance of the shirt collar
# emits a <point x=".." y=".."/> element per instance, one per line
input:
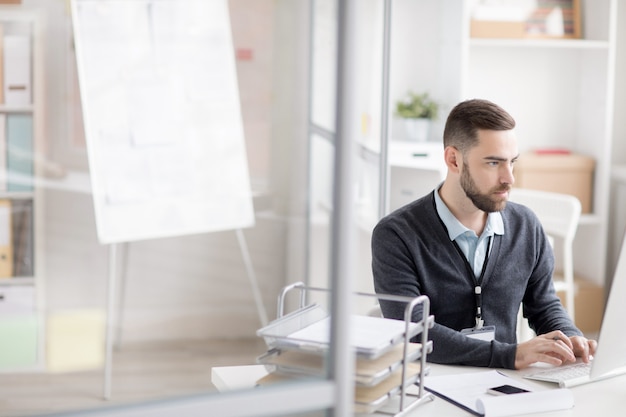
<point x="494" y="225"/>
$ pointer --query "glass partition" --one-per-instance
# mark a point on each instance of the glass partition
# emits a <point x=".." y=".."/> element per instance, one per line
<point x="365" y="120"/>
<point x="185" y="305"/>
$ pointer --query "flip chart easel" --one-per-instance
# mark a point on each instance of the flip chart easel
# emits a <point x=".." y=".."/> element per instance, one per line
<point x="163" y="126"/>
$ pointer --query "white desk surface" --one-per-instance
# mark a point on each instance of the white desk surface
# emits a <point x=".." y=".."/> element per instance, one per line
<point x="603" y="398"/>
<point x="419" y="155"/>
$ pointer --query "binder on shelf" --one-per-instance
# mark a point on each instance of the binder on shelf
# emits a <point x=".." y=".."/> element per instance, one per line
<point x="6" y="242"/>
<point x="1" y="64"/>
<point x="17" y="70"/>
<point x="23" y="238"/>
<point x="17" y="300"/>
<point x="19" y="152"/>
<point x="3" y="150"/>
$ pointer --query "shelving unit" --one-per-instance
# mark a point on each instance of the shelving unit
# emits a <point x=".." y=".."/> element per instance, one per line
<point x="560" y="91"/>
<point x="22" y="322"/>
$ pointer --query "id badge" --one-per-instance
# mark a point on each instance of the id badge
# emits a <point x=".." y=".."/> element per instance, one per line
<point x="487" y="333"/>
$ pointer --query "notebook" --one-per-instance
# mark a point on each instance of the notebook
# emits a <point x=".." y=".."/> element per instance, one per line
<point x="610" y="357"/>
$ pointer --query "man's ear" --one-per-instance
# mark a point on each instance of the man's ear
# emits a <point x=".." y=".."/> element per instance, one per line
<point x="452" y="157"/>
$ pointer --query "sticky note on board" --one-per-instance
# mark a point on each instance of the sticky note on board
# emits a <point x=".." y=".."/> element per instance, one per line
<point x="18" y="341"/>
<point x="75" y="340"/>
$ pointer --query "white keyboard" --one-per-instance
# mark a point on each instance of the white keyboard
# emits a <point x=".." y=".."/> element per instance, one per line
<point x="565" y="376"/>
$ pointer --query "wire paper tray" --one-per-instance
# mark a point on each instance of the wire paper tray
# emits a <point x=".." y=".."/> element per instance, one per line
<point x="282" y="327"/>
<point x="308" y="329"/>
<point x="367" y="372"/>
<point x="366" y="399"/>
<point x="305" y="333"/>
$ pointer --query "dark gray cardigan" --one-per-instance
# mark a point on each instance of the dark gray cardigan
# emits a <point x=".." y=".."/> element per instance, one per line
<point x="413" y="255"/>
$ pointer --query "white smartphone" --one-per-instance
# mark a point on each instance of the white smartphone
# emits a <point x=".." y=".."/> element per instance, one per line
<point x="505" y="389"/>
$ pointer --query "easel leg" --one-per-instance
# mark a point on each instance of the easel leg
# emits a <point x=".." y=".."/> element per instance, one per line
<point x="121" y="295"/>
<point x="110" y="321"/>
<point x="252" y="277"/>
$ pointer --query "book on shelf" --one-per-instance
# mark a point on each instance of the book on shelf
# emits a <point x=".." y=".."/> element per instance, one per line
<point x="3" y="152"/>
<point x="23" y="238"/>
<point x="553" y="151"/>
<point x="6" y="239"/>
<point x="16" y="68"/>
<point x="1" y="64"/>
<point x="19" y="142"/>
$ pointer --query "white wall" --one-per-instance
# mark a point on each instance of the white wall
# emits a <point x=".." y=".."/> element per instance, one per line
<point x="619" y="127"/>
<point x="618" y="190"/>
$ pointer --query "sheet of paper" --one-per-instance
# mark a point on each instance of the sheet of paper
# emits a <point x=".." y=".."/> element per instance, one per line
<point x="532" y="402"/>
<point x="469" y="391"/>
<point x="369" y="333"/>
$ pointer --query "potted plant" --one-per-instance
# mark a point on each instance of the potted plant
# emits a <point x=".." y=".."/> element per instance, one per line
<point x="417" y="111"/>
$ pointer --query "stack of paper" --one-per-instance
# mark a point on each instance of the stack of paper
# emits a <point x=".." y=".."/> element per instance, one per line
<point x="309" y="329"/>
<point x="298" y="345"/>
<point x="469" y="391"/>
<point x="367" y="399"/>
<point x="368" y="372"/>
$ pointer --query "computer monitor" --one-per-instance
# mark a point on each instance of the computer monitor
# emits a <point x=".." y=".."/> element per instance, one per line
<point x="611" y="352"/>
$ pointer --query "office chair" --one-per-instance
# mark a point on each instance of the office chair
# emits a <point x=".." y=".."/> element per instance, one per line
<point x="375" y="311"/>
<point x="559" y="215"/>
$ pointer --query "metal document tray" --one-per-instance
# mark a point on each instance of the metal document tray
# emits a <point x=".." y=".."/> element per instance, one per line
<point x="308" y="329"/>
<point x="367" y="372"/>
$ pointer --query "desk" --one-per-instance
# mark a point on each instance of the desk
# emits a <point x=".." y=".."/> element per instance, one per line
<point x="602" y="398"/>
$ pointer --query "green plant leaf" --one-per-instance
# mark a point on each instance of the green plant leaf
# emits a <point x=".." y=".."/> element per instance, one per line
<point x="416" y="106"/>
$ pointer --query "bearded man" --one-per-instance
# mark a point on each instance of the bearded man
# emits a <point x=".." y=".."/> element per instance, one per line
<point x="476" y="256"/>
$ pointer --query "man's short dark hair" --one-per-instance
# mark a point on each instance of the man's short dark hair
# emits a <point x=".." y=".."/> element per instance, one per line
<point x="467" y="117"/>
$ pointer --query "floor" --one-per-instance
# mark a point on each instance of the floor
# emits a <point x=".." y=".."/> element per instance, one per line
<point x="140" y="372"/>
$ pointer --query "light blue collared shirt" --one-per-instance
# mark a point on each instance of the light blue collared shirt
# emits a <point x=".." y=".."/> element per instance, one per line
<point x="473" y="247"/>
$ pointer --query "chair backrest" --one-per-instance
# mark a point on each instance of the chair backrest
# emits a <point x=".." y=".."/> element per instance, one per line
<point x="375" y="311"/>
<point x="558" y="213"/>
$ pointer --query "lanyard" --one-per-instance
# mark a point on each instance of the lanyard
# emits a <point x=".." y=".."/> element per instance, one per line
<point x="478" y="297"/>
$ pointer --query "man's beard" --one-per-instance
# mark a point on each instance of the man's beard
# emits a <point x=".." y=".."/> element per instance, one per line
<point x="485" y="202"/>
